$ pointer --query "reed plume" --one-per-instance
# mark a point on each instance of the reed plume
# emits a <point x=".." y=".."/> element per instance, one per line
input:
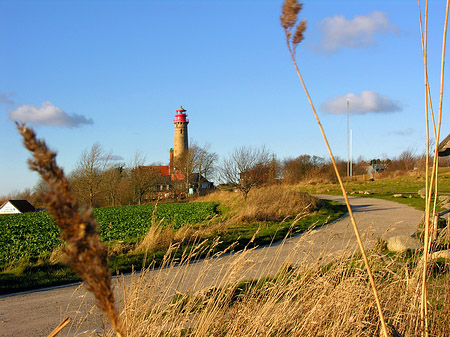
<point x="86" y="254"/>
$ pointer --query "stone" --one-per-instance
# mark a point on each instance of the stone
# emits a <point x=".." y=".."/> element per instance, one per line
<point x="401" y="243"/>
<point x="422" y="192"/>
<point x="442" y="254"/>
<point x="444" y="198"/>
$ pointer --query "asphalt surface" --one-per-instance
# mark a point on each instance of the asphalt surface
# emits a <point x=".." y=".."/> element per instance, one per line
<point x="38" y="313"/>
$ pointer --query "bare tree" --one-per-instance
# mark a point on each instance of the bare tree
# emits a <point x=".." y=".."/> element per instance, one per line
<point x="206" y="161"/>
<point x="25" y="194"/>
<point x="142" y="178"/>
<point x="245" y="168"/>
<point x="196" y="163"/>
<point x="187" y="163"/>
<point x="112" y="179"/>
<point x="295" y="170"/>
<point x="408" y="159"/>
<point x="205" y="164"/>
<point x="87" y="179"/>
<point x="39" y="191"/>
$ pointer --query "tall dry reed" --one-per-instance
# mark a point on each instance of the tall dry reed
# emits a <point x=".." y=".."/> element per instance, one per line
<point x="431" y="183"/>
<point x="294" y="33"/>
<point x="86" y="254"/>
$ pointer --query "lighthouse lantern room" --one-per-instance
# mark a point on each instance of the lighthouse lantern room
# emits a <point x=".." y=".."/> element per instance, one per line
<point x="180" y="144"/>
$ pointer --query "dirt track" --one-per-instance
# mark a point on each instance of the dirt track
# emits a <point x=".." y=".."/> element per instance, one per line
<point x="38" y="313"/>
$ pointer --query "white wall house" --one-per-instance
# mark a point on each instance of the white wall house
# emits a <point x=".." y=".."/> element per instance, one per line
<point x="16" y="206"/>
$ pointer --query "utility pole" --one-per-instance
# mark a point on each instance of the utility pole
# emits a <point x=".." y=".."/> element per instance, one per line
<point x="351" y="153"/>
<point x="348" y="136"/>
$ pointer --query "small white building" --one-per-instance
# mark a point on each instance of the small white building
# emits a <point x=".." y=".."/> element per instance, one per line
<point x="16" y="206"/>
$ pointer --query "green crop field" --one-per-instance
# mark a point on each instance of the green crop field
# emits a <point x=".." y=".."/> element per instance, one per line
<point x="34" y="235"/>
<point x="126" y="222"/>
<point x="27" y="235"/>
<point x="28" y="240"/>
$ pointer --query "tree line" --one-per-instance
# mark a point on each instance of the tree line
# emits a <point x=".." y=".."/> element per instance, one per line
<point x="99" y="180"/>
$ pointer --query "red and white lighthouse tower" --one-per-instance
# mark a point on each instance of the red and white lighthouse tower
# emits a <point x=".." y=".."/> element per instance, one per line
<point x="180" y="142"/>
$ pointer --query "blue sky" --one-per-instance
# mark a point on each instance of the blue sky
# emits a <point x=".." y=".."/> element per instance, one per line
<point x="114" y="72"/>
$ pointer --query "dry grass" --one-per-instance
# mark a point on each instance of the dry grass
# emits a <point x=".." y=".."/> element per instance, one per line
<point x="272" y="203"/>
<point x="304" y="300"/>
<point x="156" y="238"/>
<point x="268" y="203"/>
<point x="159" y="237"/>
<point x="57" y="255"/>
<point x="275" y="203"/>
<point x="228" y="200"/>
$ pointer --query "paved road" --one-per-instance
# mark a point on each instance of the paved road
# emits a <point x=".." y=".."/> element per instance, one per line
<point x="38" y="313"/>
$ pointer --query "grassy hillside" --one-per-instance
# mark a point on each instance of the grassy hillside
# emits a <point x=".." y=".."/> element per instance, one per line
<point x="398" y="182"/>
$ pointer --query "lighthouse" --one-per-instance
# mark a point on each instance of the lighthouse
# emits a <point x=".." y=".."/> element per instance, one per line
<point x="180" y="142"/>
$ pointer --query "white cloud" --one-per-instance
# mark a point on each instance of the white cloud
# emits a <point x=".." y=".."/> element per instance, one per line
<point x="407" y="132"/>
<point x="112" y="157"/>
<point x="47" y="114"/>
<point x="367" y="102"/>
<point x="5" y="98"/>
<point x="338" y="32"/>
